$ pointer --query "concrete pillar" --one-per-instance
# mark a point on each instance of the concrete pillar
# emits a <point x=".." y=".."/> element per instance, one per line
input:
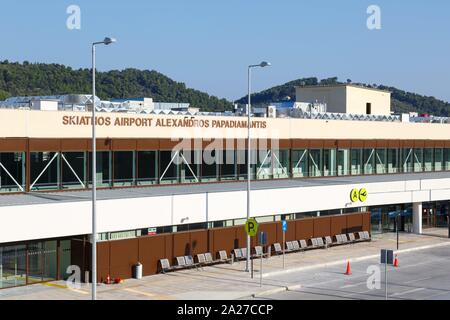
<point x="417" y="217"/>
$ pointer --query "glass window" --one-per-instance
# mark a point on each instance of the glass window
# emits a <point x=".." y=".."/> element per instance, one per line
<point x="13" y="266"/>
<point x="73" y="170"/>
<point x="12" y="171"/>
<point x="228" y="167"/>
<point x="65" y="258"/>
<point x="329" y="162"/>
<point x="124" y="168"/>
<point x="315" y="163"/>
<point x="280" y="162"/>
<point x="169" y="167"/>
<point x="190" y="166"/>
<point x="355" y="161"/>
<point x="428" y="159"/>
<point x="438" y="159"/>
<point x="264" y="166"/>
<point x="380" y="161"/>
<point x="242" y="164"/>
<point x="44" y="170"/>
<point x="369" y="161"/>
<point x="447" y="159"/>
<point x="147" y="167"/>
<point x="41" y="261"/>
<point x="407" y="160"/>
<point x="418" y="160"/>
<point x="299" y="163"/>
<point x="392" y="160"/>
<point x="343" y="164"/>
<point x="209" y="165"/>
<point x="103" y="168"/>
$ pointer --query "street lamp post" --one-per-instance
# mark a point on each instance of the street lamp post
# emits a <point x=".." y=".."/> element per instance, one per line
<point x="106" y="41"/>
<point x="261" y="65"/>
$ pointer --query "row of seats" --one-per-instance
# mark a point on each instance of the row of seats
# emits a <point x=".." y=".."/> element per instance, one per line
<point x="204" y="259"/>
<point x="322" y="242"/>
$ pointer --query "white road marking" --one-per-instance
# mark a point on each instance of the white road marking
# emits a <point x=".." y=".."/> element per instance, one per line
<point x="417" y="280"/>
<point x="353" y="285"/>
<point x="406" y="292"/>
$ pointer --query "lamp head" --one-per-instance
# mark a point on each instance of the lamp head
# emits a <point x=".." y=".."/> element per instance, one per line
<point x="265" y="64"/>
<point x="109" y="40"/>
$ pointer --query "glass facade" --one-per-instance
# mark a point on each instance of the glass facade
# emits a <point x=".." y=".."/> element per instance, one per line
<point x="30" y="263"/>
<point x="12" y="171"/>
<point x="72" y="170"/>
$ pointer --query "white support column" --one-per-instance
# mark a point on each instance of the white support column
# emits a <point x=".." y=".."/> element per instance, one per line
<point x="417" y="217"/>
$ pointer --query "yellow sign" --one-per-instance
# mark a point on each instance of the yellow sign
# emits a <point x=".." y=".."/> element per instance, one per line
<point x="354" y="195"/>
<point x="363" y="195"/>
<point x="251" y="227"/>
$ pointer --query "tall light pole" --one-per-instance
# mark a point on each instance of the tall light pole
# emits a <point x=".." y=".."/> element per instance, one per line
<point x="105" y="41"/>
<point x="261" y="65"/>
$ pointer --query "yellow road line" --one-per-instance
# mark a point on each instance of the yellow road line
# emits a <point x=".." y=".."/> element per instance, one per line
<point x="148" y="294"/>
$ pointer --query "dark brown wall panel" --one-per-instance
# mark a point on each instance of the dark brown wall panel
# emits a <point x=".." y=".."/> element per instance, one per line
<point x="300" y="144"/>
<point x="151" y="250"/>
<point x="290" y="233"/>
<point x="241" y="237"/>
<point x="394" y="144"/>
<point x="338" y="224"/>
<point x="181" y="244"/>
<point x="316" y="144"/>
<point x="101" y="144"/>
<point x="168" y="144"/>
<point x="45" y="144"/>
<point x="330" y="144"/>
<point x="124" y="255"/>
<point x="369" y="144"/>
<point x="13" y="144"/>
<point x="147" y="144"/>
<point x="223" y="239"/>
<point x="354" y="222"/>
<point x="103" y="263"/>
<point x="124" y="144"/>
<point x="344" y="144"/>
<point x="366" y="221"/>
<point x="271" y="230"/>
<point x="74" y="144"/>
<point x="284" y="144"/>
<point x="304" y="229"/>
<point x="407" y="144"/>
<point x="322" y="227"/>
<point x="419" y="144"/>
<point x="199" y="242"/>
<point x="357" y="144"/>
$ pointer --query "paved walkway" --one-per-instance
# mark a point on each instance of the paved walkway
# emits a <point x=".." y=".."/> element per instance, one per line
<point x="230" y="281"/>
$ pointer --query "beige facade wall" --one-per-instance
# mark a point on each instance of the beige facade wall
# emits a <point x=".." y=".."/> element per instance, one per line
<point x="347" y="98"/>
<point x="334" y="97"/>
<point x="357" y="98"/>
<point x="50" y="124"/>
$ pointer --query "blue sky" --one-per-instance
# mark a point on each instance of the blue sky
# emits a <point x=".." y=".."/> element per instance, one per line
<point x="208" y="43"/>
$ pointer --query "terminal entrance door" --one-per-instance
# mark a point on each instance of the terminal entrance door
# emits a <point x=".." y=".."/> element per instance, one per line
<point x="435" y="215"/>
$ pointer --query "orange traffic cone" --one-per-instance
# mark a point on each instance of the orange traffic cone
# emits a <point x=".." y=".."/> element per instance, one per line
<point x="348" y="271"/>
<point x="108" y="279"/>
<point x="396" y="262"/>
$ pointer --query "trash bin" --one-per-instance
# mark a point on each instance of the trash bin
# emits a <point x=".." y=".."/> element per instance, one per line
<point x="138" y="271"/>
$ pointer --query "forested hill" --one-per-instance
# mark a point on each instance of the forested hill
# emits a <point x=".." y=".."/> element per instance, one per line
<point x="25" y="79"/>
<point x="402" y="101"/>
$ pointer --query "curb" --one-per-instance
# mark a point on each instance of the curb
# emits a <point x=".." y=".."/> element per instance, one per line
<point x="357" y="259"/>
<point x="274" y="291"/>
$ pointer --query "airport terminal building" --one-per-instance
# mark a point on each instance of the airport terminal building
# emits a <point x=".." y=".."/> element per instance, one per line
<point x="173" y="183"/>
